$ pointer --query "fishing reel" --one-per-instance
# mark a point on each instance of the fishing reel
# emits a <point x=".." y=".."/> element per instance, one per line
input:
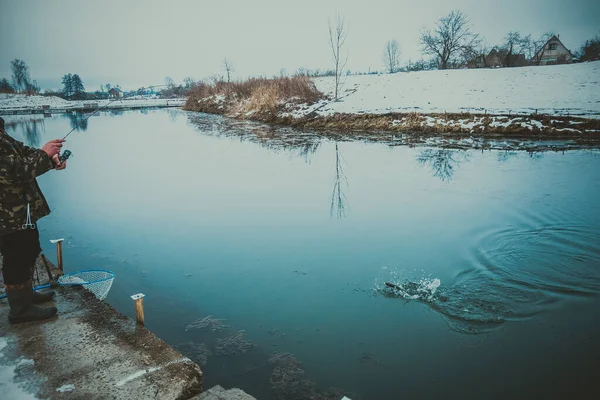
<point x="64" y="156"/>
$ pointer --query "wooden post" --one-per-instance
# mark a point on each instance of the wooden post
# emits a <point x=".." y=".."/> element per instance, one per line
<point x="139" y="307"/>
<point x="59" y="258"/>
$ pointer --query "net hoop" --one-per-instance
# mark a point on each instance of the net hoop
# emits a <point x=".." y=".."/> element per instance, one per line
<point x="97" y="281"/>
<point x="64" y="279"/>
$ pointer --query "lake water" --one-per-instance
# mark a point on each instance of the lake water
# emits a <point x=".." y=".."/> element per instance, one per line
<point x="251" y="242"/>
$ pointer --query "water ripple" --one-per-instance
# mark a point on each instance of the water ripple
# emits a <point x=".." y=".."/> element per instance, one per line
<point x="554" y="259"/>
<point x="514" y="274"/>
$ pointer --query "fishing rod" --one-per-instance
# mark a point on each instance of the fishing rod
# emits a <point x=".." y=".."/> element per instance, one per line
<point x="66" y="154"/>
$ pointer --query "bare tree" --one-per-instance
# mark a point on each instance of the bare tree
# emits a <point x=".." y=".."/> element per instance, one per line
<point x="20" y="75"/>
<point x="228" y="68"/>
<point x="451" y="38"/>
<point x="337" y="38"/>
<point x="391" y="56"/>
<point x="189" y="82"/>
<point x="169" y="82"/>
<point x="480" y="54"/>
<point x="590" y="51"/>
<point x="515" y="43"/>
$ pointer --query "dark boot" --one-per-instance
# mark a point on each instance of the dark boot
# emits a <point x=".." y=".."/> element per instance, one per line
<point x="42" y="296"/>
<point x="21" y="307"/>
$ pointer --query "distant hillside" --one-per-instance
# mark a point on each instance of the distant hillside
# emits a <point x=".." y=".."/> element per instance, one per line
<point x="555" y="90"/>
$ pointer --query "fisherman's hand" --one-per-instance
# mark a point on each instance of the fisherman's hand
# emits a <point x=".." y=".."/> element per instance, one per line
<point x="59" y="165"/>
<point x="52" y="148"/>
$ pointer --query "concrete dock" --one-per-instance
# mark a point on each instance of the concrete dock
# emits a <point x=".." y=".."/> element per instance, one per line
<point x="90" y="351"/>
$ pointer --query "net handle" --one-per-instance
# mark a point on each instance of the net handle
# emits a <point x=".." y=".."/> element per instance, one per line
<point x="110" y="276"/>
<point x="3" y="296"/>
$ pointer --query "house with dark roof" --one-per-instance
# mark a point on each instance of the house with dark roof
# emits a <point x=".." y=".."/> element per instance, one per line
<point x="115" y="93"/>
<point x="553" y="52"/>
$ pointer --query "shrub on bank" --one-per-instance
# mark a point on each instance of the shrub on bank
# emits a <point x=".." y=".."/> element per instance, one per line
<point x="260" y="97"/>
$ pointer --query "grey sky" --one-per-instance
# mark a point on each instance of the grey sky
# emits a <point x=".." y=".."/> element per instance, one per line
<point x="135" y="43"/>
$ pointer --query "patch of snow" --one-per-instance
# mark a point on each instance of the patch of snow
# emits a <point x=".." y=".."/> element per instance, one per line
<point x="429" y="121"/>
<point x="467" y="124"/>
<point x="525" y="125"/>
<point x="568" y="130"/>
<point x="66" y="388"/>
<point x="506" y="124"/>
<point x="537" y="124"/>
<point x="143" y="372"/>
<point x="524" y="90"/>
<point x="8" y="387"/>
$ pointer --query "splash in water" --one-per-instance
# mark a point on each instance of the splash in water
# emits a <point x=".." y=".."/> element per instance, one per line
<point x="466" y="310"/>
<point x="423" y="290"/>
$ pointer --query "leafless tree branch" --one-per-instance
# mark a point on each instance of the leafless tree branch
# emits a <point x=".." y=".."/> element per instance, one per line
<point x="451" y="39"/>
<point x="337" y="38"/>
<point x="391" y="56"/>
<point x="228" y="68"/>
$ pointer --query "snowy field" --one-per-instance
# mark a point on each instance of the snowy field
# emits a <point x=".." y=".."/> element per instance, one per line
<point x="555" y="90"/>
<point x="22" y="103"/>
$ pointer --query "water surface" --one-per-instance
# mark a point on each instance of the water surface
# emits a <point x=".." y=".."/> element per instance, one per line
<point x="290" y="237"/>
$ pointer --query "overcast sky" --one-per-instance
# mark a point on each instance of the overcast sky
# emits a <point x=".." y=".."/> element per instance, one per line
<point x="139" y="43"/>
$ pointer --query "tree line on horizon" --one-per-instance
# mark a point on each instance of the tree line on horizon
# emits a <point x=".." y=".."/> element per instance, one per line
<point x="452" y="43"/>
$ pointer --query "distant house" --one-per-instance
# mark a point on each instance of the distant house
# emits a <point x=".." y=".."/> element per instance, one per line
<point x="553" y="52"/>
<point x="516" y="60"/>
<point x="115" y="93"/>
<point x="500" y="58"/>
<point x="491" y="60"/>
<point x="495" y="58"/>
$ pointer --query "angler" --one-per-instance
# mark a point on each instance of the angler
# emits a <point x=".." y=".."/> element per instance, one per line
<point x="22" y="204"/>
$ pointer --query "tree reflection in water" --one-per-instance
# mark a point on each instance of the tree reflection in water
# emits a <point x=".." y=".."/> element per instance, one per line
<point x="78" y="120"/>
<point x="339" y="202"/>
<point x="31" y="130"/>
<point x="504" y="156"/>
<point x="442" y="162"/>
<point x="277" y="139"/>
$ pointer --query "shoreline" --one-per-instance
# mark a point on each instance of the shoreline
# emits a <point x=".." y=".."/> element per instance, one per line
<point x="22" y="104"/>
<point x="536" y="132"/>
<point x="90" y="350"/>
<point x="553" y="103"/>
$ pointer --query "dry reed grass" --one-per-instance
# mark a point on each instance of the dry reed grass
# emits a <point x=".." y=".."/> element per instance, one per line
<point x="260" y="98"/>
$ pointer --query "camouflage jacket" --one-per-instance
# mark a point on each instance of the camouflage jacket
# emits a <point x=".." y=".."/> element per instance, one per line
<point x="19" y="166"/>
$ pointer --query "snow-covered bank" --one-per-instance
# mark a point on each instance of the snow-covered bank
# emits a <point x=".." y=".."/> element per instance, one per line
<point x="545" y="102"/>
<point x="22" y="103"/>
<point x="572" y="89"/>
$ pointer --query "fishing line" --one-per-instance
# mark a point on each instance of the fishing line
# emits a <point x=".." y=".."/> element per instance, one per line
<point x="66" y="154"/>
